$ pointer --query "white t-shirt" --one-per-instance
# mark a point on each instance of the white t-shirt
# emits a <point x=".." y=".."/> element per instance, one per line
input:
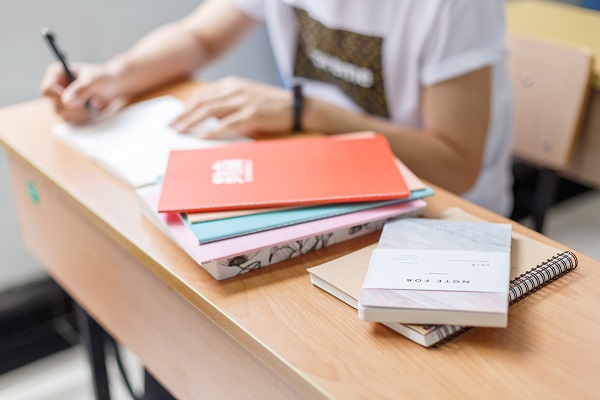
<point x="377" y="55"/>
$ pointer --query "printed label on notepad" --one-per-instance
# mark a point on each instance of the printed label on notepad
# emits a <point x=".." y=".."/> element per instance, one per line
<point x="232" y="171"/>
<point x="472" y="271"/>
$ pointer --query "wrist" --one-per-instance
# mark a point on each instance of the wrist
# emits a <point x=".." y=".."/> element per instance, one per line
<point x="297" y="108"/>
<point x="121" y="71"/>
<point x="318" y="116"/>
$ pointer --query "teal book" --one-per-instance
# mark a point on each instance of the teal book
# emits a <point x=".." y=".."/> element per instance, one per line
<point x="214" y="230"/>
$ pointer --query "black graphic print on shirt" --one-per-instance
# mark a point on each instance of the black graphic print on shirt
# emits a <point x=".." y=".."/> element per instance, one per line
<point x="345" y="59"/>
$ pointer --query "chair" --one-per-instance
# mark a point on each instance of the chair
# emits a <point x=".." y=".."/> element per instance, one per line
<point x="591" y="4"/>
<point x="550" y="86"/>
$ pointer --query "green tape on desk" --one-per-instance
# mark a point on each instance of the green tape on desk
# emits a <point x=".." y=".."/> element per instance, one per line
<point x="34" y="194"/>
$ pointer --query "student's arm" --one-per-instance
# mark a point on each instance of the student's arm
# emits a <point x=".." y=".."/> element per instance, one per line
<point x="168" y="53"/>
<point x="448" y="151"/>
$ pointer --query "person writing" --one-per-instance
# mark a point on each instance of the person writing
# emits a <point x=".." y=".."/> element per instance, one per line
<point x="429" y="75"/>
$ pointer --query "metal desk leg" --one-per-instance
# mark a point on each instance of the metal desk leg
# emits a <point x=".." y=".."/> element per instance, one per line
<point x="93" y="337"/>
<point x="154" y="390"/>
<point x="544" y="196"/>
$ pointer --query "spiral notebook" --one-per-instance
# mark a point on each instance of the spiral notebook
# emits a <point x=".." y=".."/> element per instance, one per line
<point x="533" y="266"/>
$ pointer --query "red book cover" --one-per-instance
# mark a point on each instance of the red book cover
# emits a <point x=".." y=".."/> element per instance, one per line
<point x="284" y="172"/>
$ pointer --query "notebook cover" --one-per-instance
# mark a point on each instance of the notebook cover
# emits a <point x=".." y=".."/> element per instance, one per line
<point x="415" y="185"/>
<point x="285" y="172"/>
<point x="430" y="271"/>
<point x="210" y="231"/>
<point x="343" y="278"/>
<point x="244" y="244"/>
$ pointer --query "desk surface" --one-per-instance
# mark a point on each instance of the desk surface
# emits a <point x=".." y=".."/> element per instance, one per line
<point x="271" y="333"/>
<point x="564" y="23"/>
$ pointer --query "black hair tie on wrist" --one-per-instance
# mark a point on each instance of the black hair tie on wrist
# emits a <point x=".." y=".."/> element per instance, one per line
<point x="298" y="105"/>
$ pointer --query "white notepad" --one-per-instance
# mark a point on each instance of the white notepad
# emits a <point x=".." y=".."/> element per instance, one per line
<point x="134" y="144"/>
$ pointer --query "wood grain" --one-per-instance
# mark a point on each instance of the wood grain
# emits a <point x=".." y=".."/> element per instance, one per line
<point x="271" y="333"/>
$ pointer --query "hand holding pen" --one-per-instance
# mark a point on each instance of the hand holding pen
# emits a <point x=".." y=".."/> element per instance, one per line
<point x="62" y="59"/>
<point x="79" y="92"/>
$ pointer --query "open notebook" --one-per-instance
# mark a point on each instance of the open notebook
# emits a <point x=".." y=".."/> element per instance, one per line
<point x="533" y="265"/>
<point x="134" y="143"/>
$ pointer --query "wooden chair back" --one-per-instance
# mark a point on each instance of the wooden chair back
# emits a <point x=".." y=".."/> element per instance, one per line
<point x="550" y="86"/>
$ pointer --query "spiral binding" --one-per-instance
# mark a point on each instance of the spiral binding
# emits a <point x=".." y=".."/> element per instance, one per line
<point x="521" y="287"/>
<point x="540" y="276"/>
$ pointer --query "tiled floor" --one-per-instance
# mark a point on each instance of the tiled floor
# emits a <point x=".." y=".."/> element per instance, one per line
<point x="65" y="376"/>
<point x="576" y="223"/>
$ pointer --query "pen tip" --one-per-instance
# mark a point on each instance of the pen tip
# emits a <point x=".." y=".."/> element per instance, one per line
<point x="45" y="31"/>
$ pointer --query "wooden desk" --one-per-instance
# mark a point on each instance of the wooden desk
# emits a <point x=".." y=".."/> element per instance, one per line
<point x="270" y="334"/>
<point x="573" y="26"/>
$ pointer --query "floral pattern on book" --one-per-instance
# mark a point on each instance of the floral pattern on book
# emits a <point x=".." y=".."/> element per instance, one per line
<point x="260" y="258"/>
<point x="299" y="247"/>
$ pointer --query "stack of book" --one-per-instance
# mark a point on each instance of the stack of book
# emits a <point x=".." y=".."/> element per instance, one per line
<point x="236" y="205"/>
<point x="477" y="270"/>
<point x="244" y="206"/>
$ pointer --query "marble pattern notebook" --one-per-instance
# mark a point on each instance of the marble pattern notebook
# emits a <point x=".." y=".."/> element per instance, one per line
<point x="533" y="265"/>
<point x="427" y="271"/>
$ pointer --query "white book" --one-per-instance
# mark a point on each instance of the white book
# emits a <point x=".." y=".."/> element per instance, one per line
<point x="427" y="271"/>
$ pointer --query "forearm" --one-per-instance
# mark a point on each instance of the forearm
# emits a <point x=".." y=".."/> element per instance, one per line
<point x="163" y="55"/>
<point x="431" y="155"/>
<point x="448" y="150"/>
<point x="178" y="49"/>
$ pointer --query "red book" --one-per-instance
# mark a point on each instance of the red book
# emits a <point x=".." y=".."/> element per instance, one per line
<point x="284" y="172"/>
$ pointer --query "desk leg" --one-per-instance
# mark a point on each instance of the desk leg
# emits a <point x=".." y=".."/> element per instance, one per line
<point x="154" y="390"/>
<point x="93" y="337"/>
<point x="544" y="196"/>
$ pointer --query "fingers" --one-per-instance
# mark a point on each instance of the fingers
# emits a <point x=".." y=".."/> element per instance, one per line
<point x="235" y="124"/>
<point x="244" y="107"/>
<point x="54" y="81"/>
<point x="81" y="89"/>
<point x="53" y="92"/>
<point x="195" y="115"/>
<point x="72" y="116"/>
<point x="53" y="86"/>
<point x="93" y="93"/>
<point x="212" y="100"/>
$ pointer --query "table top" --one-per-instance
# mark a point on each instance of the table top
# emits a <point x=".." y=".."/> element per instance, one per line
<point x="563" y="23"/>
<point x="549" y="350"/>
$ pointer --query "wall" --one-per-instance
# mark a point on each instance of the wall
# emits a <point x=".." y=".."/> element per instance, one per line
<point x="87" y="31"/>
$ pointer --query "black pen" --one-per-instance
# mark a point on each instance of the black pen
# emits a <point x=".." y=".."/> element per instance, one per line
<point x="63" y="60"/>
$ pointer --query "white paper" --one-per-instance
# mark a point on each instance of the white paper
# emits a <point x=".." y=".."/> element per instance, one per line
<point x="470" y="271"/>
<point x="135" y="143"/>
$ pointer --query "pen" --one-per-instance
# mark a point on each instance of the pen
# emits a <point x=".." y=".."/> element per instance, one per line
<point x="63" y="60"/>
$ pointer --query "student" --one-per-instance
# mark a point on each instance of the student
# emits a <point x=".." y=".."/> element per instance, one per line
<point x="429" y="75"/>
